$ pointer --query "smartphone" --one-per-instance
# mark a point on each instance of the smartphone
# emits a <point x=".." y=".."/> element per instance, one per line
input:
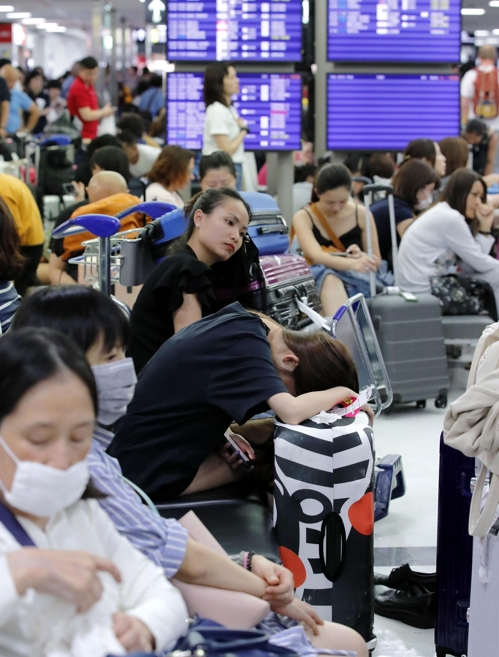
<point x="70" y="188"/>
<point x="234" y="449"/>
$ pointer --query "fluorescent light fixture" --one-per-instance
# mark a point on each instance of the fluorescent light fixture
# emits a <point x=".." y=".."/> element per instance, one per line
<point x="472" y="11"/>
<point x="19" y="14"/>
<point x="49" y="26"/>
<point x="4" y="8"/>
<point x="59" y="28"/>
<point x="494" y="3"/>
<point x="482" y="33"/>
<point x="496" y="32"/>
<point x="32" y="21"/>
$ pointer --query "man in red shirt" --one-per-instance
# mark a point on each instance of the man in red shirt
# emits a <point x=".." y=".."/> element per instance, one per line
<point x="83" y="102"/>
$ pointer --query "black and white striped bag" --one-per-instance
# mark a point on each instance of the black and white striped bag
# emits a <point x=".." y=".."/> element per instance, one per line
<point x="324" y="514"/>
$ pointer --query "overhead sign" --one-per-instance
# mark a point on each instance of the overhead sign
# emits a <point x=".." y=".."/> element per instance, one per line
<point x="5" y="32"/>
<point x="155" y="12"/>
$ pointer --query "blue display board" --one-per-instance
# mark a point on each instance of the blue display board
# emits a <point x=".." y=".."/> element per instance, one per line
<point x="270" y="103"/>
<point x="426" y="31"/>
<point x="234" y="30"/>
<point x="385" y="112"/>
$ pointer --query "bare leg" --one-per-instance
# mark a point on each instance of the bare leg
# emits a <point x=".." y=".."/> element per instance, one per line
<point x="339" y="637"/>
<point x="213" y="472"/>
<point x="333" y="295"/>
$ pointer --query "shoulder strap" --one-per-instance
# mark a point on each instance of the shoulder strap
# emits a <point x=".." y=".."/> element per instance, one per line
<point x="12" y="524"/>
<point x="330" y="232"/>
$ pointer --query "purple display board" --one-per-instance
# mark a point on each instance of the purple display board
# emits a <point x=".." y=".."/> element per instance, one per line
<point x="234" y="30"/>
<point x="270" y="103"/>
<point x="426" y="31"/>
<point x="385" y="112"/>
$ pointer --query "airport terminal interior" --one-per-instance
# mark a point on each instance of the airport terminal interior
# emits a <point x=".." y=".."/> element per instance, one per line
<point x="249" y="268"/>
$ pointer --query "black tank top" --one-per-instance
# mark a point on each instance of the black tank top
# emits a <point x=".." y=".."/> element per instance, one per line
<point x="353" y="236"/>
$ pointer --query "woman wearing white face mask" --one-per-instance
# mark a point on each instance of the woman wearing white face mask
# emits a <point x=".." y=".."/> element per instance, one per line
<point x="97" y="325"/>
<point x="70" y="583"/>
<point x="413" y="187"/>
<point x="441" y="241"/>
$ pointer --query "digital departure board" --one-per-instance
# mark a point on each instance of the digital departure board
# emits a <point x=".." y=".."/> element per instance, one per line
<point x="385" y="112"/>
<point x="234" y="30"/>
<point x="426" y="31"/>
<point x="270" y="103"/>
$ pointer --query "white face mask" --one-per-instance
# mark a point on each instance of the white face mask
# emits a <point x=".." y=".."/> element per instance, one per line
<point x="41" y="490"/>
<point x="115" y="386"/>
<point x="425" y="203"/>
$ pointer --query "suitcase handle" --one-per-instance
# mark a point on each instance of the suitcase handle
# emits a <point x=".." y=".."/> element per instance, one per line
<point x="332" y="530"/>
<point x="266" y="230"/>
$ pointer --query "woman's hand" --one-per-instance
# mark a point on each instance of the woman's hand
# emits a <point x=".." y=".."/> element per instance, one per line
<point x="241" y="123"/>
<point x="364" y="263"/>
<point x="354" y="251"/>
<point x="303" y="613"/>
<point x="133" y="635"/>
<point x="485" y="216"/>
<point x="72" y="576"/>
<point x="232" y="457"/>
<point x="280" y="591"/>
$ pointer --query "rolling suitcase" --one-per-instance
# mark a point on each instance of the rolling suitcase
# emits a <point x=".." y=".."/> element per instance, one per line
<point x="283" y="279"/>
<point x="324" y="515"/>
<point x="454" y="551"/>
<point x="267" y="227"/>
<point x="409" y="331"/>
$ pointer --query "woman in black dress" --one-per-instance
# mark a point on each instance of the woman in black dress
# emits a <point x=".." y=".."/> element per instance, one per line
<point x="179" y="291"/>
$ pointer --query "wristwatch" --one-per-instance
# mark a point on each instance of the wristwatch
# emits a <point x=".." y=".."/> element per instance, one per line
<point x="483" y="232"/>
<point x="244" y="127"/>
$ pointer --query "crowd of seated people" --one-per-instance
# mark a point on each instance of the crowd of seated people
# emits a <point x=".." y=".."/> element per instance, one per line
<point x="77" y="420"/>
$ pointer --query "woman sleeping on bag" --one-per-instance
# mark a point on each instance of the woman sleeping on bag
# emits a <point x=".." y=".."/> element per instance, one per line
<point x="179" y="291"/>
<point x="101" y="330"/>
<point x="224" y="368"/>
<point x="71" y="585"/>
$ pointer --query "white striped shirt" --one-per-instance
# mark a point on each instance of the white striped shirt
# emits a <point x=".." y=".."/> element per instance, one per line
<point x="162" y="540"/>
<point x="9" y="303"/>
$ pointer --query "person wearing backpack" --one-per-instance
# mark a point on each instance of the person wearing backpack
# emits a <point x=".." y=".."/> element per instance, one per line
<point x="480" y="91"/>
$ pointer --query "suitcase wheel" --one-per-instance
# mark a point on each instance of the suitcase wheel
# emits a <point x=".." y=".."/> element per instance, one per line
<point x="441" y="401"/>
<point x="421" y="403"/>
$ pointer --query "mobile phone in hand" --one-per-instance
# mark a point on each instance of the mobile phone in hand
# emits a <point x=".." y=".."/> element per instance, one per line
<point x="234" y="449"/>
<point x="70" y="188"/>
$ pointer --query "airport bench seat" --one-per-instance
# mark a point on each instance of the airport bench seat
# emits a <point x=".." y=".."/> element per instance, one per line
<point x="464" y="329"/>
<point x="237" y="517"/>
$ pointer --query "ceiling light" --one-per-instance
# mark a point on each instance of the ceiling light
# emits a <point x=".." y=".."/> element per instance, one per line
<point x="59" y="28"/>
<point x="6" y="8"/>
<point x="32" y="21"/>
<point x="48" y="26"/>
<point x="19" y="14"/>
<point x="472" y="11"/>
<point x="482" y="33"/>
<point x="494" y="3"/>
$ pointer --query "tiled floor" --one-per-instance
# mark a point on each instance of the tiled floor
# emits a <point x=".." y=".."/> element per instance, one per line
<point x="409" y="532"/>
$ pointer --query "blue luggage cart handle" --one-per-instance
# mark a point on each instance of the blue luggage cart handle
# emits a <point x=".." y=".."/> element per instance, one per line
<point x="101" y="225"/>
<point x="153" y="209"/>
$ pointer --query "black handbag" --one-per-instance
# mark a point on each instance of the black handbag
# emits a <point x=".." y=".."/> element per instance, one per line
<point x="463" y="295"/>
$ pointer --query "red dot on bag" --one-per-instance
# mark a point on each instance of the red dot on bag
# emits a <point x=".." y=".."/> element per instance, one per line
<point x="361" y="515"/>
<point x="292" y="562"/>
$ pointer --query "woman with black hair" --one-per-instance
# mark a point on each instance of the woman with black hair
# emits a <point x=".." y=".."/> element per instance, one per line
<point x="440" y="238"/>
<point x="413" y="187"/>
<point x="223" y="129"/>
<point x="331" y="233"/>
<point x="179" y="291"/>
<point x="110" y="158"/>
<point x="11" y="266"/>
<point x="56" y="543"/>
<point x="217" y="170"/>
<point x="428" y="151"/>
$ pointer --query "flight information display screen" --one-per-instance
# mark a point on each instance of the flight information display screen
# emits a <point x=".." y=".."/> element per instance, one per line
<point x="270" y="103"/>
<point x="234" y="30"/>
<point x="385" y="112"/>
<point x="426" y="31"/>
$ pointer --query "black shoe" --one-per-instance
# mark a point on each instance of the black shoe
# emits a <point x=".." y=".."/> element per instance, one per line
<point x="414" y="606"/>
<point x="403" y="576"/>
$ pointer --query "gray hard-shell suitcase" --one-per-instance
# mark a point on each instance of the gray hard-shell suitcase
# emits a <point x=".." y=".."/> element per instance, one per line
<point x="409" y="333"/>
